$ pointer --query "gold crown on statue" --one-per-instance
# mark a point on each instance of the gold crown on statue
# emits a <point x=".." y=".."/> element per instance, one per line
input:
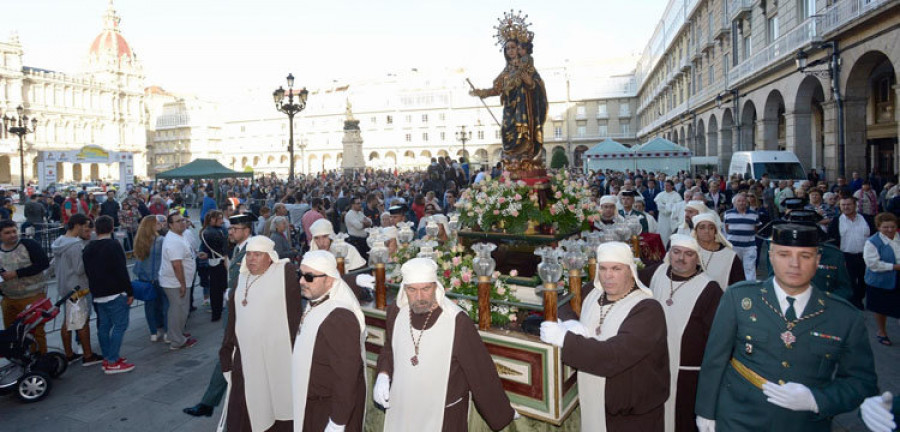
<point x="513" y="27"/>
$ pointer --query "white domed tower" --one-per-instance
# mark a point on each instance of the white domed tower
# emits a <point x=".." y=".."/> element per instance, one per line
<point x="111" y="59"/>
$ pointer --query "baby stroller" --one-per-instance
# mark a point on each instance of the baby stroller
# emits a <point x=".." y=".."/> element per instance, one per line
<point x="28" y="372"/>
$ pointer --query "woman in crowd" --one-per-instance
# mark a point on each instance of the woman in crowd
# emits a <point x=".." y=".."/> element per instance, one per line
<point x="148" y="253"/>
<point x="214" y="242"/>
<point x="882" y="256"/>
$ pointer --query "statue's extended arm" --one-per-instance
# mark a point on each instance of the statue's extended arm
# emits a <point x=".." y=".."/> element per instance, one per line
<point x="493" y="91"/>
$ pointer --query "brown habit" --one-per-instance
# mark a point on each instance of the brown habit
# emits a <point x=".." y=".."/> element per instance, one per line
<point x="337" y="384"/>
<point x="693" y="343"/>
<point x="635" y="363"/>
<point x="471" y="370"/>
<point x="238" y="419"/>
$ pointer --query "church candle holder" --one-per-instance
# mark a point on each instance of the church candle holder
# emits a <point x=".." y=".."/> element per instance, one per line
<point x="636" y="246"/>
<point x="340" y="266"/>
<point x="380" y="287"/>
<point x="550" y="271"/>
<point x="575" y="289"/>
<point x="484" y="302"/>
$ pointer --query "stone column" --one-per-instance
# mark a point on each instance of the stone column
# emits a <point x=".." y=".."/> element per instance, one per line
<point x="855" y="135"/>
<point x="726" y="146"/>
<point x="767" y="134"/>
<point x="830" y="140"/>
<point x="798" y="136"/>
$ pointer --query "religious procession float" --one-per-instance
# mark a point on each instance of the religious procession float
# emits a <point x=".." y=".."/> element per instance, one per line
<point x="515" y="252"/>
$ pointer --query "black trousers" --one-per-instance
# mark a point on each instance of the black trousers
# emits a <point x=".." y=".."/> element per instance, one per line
<point x="856" y="266"/>
<point x="218" y="283"/>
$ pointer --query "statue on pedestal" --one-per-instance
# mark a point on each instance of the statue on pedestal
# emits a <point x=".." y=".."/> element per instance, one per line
<point x="524" y="99"/>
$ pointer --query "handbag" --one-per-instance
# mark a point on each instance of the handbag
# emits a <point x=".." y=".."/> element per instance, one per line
<point x="212" y="261"/>
<point x="143" y="290"/>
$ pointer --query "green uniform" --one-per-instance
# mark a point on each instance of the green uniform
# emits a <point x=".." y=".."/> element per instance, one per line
<point x="832" y="274"/>
<point x="644" y="227"/>
<point x="234" y="268"/>
<point x="831" y="356"/>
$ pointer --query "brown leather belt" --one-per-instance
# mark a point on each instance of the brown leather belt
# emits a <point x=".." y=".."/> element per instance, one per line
<point x="748" y="374"/>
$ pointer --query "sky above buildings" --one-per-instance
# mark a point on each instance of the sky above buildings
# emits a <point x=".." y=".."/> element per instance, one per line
<point x="212" y="47"/>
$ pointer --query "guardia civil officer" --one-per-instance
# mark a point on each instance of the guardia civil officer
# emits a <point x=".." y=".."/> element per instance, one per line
<point x="782" y="353"/>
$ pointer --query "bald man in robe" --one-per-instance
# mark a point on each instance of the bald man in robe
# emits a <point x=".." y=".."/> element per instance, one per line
<point x="433" y="359"/>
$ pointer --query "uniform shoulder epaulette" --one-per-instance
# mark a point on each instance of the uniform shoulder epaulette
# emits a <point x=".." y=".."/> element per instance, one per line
<point x="836" y="299"/>
<point x="745" y="284"/>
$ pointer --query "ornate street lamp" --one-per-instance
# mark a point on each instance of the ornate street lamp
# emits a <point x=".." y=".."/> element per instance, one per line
<point x="19" y="126"/>
<point x="463" y="136"/>
<point x="290" y="108"/>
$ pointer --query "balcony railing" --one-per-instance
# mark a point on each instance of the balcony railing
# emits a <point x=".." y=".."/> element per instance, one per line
<point x="783" y="47"/>
<point x="739" y="8"/>
<point x="845" y="11"/>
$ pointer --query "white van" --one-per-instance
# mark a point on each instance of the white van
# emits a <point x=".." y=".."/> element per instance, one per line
<point x="779" y="165"/>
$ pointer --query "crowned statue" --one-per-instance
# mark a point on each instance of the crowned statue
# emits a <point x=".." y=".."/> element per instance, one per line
<point x="523" y="97"/>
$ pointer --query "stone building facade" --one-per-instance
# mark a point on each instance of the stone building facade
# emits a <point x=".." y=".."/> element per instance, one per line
<point x="720" y="76"/>
<point x="102" y="106"/>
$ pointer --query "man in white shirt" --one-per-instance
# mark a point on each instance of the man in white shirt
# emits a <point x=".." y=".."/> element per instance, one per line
<point x="176" y="272"/>
<point x="357" y="222"/>
<point x="851" y="230"/>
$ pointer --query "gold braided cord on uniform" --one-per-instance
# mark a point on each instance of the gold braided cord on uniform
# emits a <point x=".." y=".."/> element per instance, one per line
<point x="752" y="377"/>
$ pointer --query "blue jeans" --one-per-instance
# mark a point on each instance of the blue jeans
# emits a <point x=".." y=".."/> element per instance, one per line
<point x="156" y="310"/>
<point x="112" y="321"/>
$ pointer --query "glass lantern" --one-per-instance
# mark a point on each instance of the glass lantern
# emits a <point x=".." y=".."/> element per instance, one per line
<point x="549" y="270"/>
<point x="483" y="263"/>
<point x="405" y="234"/>
<point x="426" y="249"/>
<point x="340" y="247"/>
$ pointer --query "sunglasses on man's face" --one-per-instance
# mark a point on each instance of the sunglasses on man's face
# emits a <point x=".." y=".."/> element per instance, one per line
<point x="309" y="277"/>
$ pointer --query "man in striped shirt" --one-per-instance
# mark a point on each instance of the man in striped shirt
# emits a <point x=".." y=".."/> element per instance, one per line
<point x="740" y="230"/>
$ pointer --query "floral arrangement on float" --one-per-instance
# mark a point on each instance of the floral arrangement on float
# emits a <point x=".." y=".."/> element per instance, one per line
<point x="458" y="274"/>
<point x="514" y="207"/>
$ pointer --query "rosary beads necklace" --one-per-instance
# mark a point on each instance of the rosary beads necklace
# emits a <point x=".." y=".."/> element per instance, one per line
<point x="247" y="286"/>
<point x="415" y="358"/>
<point x="611" y="306"/>
<point x="673" y="289"/>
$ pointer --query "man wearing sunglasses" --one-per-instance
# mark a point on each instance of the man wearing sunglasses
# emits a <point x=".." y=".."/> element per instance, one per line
<point x="263" y="316"/>
<point x="328" y="367"/>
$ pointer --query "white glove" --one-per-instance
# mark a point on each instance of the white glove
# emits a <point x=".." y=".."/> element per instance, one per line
<point x="382" y="391"/>
<point x="876" y="413"/>
<point x="792" y="396"/>
<point x="516" y="415"/>
<point x="576" y="327"/>
<point x="706" y="425"/>
<point x="553" y="333"/>
<point x="365" y="281"/>
<point x="333" y="427"/>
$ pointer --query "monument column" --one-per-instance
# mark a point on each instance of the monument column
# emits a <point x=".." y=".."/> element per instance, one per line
<point x="353" y="155"/>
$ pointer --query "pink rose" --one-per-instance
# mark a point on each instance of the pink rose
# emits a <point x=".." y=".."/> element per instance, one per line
<point x="514" y="213"/>
<point x="455" y="283"/>
<point x="466" y="277"/>
<point x="565" y="201"/>
<point x="558" y="195"/>
<point x="518" y="197"/>
<point x="501" y="200"/>
<point x="553" y="210"/>
<point x="496" y="212"/>
<point x="457" y="260"/>
<point x="571" y="208"/>
<point x="513" y="272"/>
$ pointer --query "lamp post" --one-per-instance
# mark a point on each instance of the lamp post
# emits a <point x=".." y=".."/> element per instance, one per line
<point x="19" y="126"/>
<point x="290" y="108"/>
<point x="833" y="72"/>
<point x="463" y="136"/>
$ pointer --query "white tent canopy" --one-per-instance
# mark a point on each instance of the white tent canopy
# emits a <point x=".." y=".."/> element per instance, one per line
<point x="662" y="155"/>
<point x="609" y="154"/>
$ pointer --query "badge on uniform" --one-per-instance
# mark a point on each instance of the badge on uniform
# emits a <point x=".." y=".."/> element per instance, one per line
<point x="746" y="303"/>
<point x="748" y="348"/>
<point x="753" y="317"/>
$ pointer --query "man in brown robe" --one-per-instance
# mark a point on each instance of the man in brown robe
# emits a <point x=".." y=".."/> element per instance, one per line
<point x="329" y="384"/>
<point x="690" y="299"/>
<point x="618" y="347"/>
<point x="433" y="359"/>
<point x="264" y="314"/>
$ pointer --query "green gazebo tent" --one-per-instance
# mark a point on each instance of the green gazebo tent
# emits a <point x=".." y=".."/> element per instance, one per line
<point x="204" y="169"/>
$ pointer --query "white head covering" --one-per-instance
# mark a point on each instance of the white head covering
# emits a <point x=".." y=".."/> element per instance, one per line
<point x="419" y="270"/>
<point x="260" y="244"/>
<point x="709" y="217"/>
<point x="389" y="232"/>
<point x="700" y="206"/>
<point x="618" y="252"/>
<point x="325" y="262"/>
<point x="608" y="199"/>
<point x="685" y="241"/>
<point x="321" y="227"/>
